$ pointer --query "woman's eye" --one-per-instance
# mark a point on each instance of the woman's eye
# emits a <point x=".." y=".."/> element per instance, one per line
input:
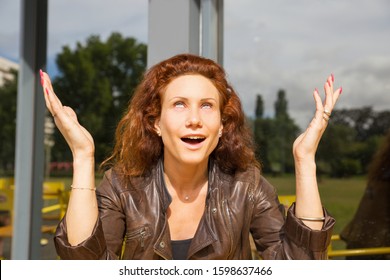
<point x="207" y="105"/>
<point x="179" y="104"/>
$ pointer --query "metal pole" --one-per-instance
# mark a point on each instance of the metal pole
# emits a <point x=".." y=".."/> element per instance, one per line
<point x="212" y="29"/>
<point x="174" y="27"/>
<point x="29" y="156"/>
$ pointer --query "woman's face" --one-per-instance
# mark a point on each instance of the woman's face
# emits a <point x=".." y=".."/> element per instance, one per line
<point x="190" y="120"/>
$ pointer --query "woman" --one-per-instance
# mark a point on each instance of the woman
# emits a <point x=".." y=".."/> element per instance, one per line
<point x="184" y="182"/>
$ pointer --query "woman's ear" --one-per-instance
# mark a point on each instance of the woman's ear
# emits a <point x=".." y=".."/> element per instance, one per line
<point x="157" y="127"/>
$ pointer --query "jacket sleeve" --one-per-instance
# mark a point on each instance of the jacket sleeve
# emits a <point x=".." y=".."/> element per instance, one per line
<point x="107" y="236"/>
<point x="278" y="236"/>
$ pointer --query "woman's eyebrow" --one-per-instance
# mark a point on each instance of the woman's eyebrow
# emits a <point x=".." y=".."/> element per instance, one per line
<point x="186" y="98"/>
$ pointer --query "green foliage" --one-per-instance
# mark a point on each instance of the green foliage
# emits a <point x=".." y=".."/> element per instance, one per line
<point x="8" y="93"/>
<point x="259" y="106"/>
<point x="365" y="121"/>
<point x="262" y="129"/>
<point x="97" y="80"/>
<point x="346" y="148"/>
<point x="351" y="140"/>
<point x="275" y="137"/>
<point x="281" y="105"/>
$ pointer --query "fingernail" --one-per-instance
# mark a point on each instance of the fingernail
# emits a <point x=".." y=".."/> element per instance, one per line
<point x="316" y="90"/>
<point x="341" y="90"/>
<point x="41" y="74"/>
<point x="332" y="77"/>
<point x="47" y="91"/>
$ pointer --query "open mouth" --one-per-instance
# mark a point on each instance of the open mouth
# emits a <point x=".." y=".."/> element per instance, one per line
<point x="193" y="139"/>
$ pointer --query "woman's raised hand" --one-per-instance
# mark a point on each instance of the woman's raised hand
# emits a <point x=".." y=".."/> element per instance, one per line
<point x="305" y="146"/>
<point x="78" y="138"/>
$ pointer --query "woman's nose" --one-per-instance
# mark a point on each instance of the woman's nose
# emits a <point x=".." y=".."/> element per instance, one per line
<point x="194" y="119"/>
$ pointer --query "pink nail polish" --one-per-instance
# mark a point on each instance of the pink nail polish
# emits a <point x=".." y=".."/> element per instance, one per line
<point x="341" y="90"/>
<point x="47" y="91"/>
<point x="332" y="77"/>
<point x="41" y="74"/>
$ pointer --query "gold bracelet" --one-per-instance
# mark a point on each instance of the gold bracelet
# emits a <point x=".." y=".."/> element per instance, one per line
<point x="312" y="219"/>
<point x="75" y="188"/>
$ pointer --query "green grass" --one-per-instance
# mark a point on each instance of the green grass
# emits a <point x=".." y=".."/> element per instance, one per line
<point x="340" y="197"/>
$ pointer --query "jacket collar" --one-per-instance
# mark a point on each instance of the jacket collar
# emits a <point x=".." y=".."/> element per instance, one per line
<point x="204" y="236"/>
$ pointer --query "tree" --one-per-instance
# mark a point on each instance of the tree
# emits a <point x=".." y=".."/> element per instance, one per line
<point x="366" y="128"/>
<point x="8" y="93"/>
<point x="259" y="107"/>
<point x="261" y="135"/>
<point x="97" y="80"/>
<point x="365" y="121"/>
<point x="285" y="133"/>
<point x="281" y="105"/>
<point x="261" y="130"/>
<point x="274" y="137"/>
<point x="341" y="161"/>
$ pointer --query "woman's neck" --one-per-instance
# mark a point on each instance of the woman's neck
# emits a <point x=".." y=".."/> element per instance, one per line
<point x="185" y="180"/>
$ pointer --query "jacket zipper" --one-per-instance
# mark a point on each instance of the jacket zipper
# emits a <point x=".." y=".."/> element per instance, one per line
<point x="141" y="232"/>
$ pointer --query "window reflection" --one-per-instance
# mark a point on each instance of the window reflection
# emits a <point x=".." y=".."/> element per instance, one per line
<point x="274" y="46"/>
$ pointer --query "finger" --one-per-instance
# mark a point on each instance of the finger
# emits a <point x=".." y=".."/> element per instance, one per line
<point x="329" y="83"/>
<point x="55" y="104"/>
<point x="336" y="95"/>
<point x="319" y="107"/>
<point x="47" y="101"/>
<point x="46" y="81"/>
<point x="50" y="97"/>
<point x="328" y="103"/>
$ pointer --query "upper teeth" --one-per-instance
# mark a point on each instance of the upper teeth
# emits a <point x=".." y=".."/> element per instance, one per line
<point x="195" y="137"/>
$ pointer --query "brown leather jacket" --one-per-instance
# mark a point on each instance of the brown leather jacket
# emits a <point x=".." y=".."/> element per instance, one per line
<point x="134" y="215"/>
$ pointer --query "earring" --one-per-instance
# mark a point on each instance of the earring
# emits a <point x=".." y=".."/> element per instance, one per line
<point x="159" y="133"/>
<point x="220" y="133"/>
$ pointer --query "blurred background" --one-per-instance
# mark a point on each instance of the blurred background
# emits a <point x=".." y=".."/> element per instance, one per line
<point x="275" y="54"/>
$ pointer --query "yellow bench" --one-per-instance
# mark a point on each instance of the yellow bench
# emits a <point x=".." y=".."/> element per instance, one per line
<point x="6" y="182"/>
<point x="55" y="190"/>
<point x="52" y="191"/>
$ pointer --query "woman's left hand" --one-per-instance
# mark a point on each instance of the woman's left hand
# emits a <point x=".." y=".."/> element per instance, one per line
<point x="305" y="146"/>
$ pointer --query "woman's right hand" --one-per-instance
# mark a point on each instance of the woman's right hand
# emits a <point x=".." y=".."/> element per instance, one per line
<point x="78" y="138"/>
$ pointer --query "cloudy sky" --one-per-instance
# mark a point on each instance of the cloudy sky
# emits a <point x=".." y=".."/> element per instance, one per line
<point x="268" y="45"/>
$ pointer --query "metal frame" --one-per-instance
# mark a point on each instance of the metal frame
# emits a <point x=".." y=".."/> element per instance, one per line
<point x="185" y="26"/>
<point x="175" y="26"/>
<point x="31" y="110"/>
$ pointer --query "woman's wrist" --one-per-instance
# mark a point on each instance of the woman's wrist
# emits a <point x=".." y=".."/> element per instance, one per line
<point x="305" y="167"/>
<point x="87" y="152"/>
<point x="83" y="159"/>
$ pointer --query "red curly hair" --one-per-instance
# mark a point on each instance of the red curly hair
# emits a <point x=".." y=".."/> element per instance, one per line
<point x="138" y="147"/>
